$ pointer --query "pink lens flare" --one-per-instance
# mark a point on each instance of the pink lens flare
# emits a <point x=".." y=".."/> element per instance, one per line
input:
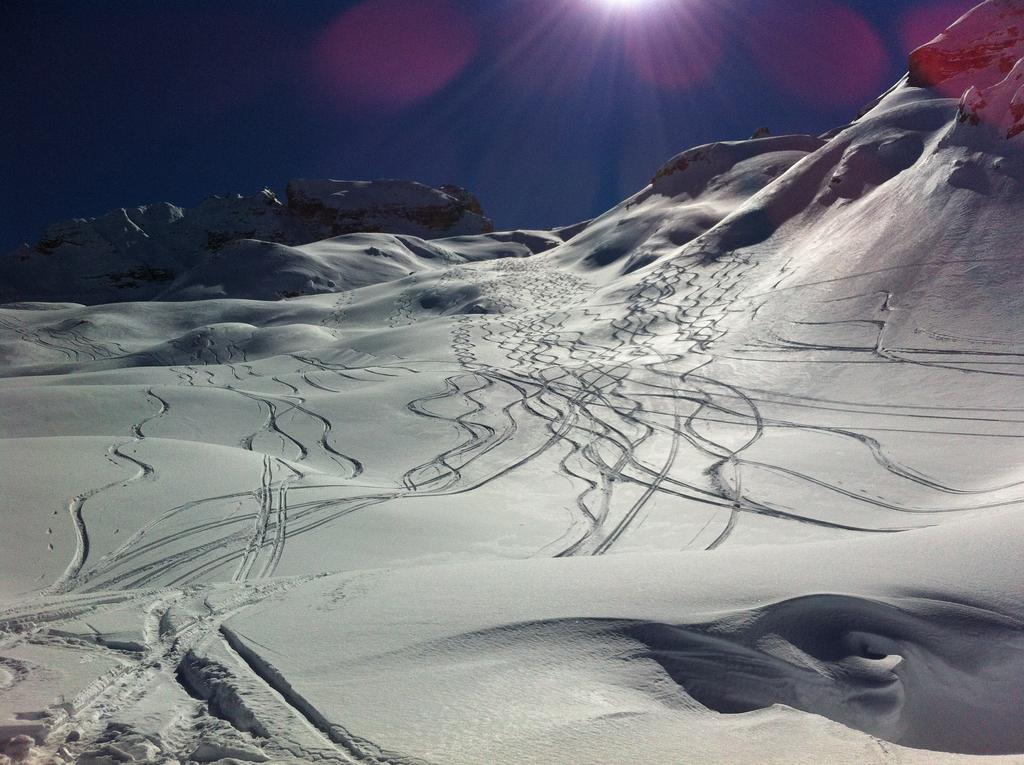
<point x="388" y="55"/>
<point x="821" y="51"/>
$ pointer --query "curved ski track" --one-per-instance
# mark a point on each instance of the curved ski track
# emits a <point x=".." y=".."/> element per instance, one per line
<point x="620" y="409"/>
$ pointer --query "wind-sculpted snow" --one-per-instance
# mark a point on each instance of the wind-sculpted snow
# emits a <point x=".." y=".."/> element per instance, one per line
<point x="732" y="473"/>
<point x="639" y="648"/>
<point x="689" y="196"/>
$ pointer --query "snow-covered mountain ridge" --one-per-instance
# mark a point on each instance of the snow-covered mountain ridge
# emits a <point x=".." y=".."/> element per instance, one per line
<point x="731" y="473"/>
<point x="136" y="253"/>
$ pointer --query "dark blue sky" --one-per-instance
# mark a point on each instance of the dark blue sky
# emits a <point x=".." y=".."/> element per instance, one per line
<point x="550" y="110"/>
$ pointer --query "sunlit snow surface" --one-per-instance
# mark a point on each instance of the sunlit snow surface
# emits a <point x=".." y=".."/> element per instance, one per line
<point x="734" y="474"/>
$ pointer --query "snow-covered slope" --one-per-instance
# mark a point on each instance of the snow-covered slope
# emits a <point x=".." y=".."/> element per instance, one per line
<point x="732" y="473"/>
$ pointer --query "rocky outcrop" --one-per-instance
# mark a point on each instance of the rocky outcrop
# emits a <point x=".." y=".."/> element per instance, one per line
<point x="1000" y="106"/>
<point x="331" y="208"/>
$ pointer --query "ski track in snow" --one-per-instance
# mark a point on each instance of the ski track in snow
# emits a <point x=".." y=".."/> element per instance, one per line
<point x="618" y="412"/>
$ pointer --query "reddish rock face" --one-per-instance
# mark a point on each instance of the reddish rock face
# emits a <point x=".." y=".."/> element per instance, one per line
<point x="980" y="59"/>
<point x="980" y="50"/>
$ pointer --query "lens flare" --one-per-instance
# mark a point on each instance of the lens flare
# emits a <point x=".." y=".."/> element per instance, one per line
<point x="387" y="55"/>
<point x="821" y="51"/>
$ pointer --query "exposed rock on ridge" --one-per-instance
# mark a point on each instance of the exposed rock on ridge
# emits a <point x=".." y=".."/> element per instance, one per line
<point x="333" y="207"/>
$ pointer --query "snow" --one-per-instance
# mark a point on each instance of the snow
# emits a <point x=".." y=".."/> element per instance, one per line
<point x="590" y="641"/>
<point x="731" y="473"/>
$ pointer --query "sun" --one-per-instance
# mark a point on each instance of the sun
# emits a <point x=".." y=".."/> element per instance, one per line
<point x="626" y="4"/>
